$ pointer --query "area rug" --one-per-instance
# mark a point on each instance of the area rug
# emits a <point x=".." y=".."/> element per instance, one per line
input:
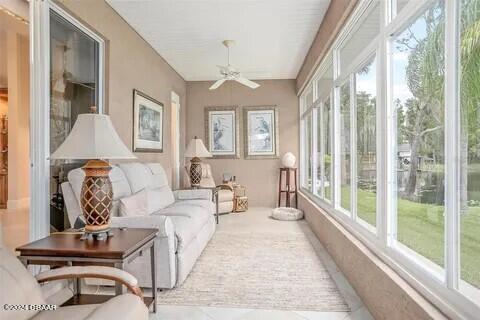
<point x="259" y="271"/>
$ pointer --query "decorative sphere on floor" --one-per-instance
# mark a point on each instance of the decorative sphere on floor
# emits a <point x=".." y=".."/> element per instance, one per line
<point x="287" y="214"/>
<point x="289" y="160"/>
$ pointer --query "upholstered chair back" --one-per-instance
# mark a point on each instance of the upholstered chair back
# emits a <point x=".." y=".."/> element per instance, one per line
<point x="17" y="286"/>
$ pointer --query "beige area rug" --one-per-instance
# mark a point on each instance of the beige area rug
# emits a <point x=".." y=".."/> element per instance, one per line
<point x="259" y="271"/>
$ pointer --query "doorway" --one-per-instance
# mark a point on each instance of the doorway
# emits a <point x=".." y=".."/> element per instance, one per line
<point x="175" y="142"/>
<point x="14" y="125"/>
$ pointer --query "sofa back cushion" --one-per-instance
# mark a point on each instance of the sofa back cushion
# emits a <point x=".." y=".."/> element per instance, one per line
<point x="18" y="286"/>
<point x="138" y="175"/>
<point x="159" y="198"/>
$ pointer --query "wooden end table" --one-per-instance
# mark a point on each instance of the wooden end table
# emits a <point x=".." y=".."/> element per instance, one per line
<point x="66" y="249"/>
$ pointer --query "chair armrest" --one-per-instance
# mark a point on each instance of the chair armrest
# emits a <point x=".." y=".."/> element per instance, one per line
<point x="162" y="223"/>
<point x="99" y="272"/>
<point x="225" y="187"/>
<point x="193" y="194"/>
<point x="122" y="307"/>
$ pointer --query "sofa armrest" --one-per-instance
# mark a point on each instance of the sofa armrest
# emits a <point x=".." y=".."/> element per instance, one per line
<point x="193" y="194"/>
<point x="99" y="272"/>
<point x="162" y="223"/>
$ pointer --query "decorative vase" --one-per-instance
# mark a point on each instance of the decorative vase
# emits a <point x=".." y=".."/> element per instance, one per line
<point x="289" y="160"/>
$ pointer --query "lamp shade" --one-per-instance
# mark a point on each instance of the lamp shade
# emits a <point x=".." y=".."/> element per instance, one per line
<point x="196" y="149"/>
<point x="93" y="137"/>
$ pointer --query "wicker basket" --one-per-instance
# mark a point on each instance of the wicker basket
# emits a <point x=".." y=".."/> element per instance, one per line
<point x="241" y="204"/>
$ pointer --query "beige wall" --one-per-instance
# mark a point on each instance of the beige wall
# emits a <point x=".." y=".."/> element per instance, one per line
<point x="18" y="78"/>
<point x="133" y="64"/>
<point x="259" y="176"/>
<point x="334" y="18"/>
<point x="384" y="292"/>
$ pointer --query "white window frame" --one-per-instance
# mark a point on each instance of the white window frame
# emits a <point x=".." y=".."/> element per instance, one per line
<point x="444" y="291"/>
<point x="40" y="108"/>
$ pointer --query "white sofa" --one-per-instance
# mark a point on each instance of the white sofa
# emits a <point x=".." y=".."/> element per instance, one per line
<point x="185" y="226"/>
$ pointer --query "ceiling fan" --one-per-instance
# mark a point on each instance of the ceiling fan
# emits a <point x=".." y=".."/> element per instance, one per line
<point x="230" y="73"/>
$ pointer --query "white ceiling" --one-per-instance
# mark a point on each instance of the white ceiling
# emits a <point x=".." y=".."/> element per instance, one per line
<point x="272" y="36"/>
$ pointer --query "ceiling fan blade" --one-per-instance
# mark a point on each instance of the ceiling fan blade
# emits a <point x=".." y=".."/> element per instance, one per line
<point x="247" y="82"/>
<point x="217" y="84"/>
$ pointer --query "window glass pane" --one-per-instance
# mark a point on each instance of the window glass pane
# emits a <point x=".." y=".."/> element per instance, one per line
<point x="345" y="146"/>
<point x="318" y="171"/>
<point x="361" y="37"/>
<point x="74" y="89"/>
<point x="470" y="144"/>
<point x="418" y="95"/>
<point x="366" y="95"/>
<point x="327" y="145"/>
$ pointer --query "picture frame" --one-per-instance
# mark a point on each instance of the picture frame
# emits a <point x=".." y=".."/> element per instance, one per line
<point x="222" y="126"/>
<point x="261" y="137"/>
<point x="148" y="123"/>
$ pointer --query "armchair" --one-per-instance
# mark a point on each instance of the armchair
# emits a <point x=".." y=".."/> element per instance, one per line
<point x="20" y="288"/>
<point x="225" y="192"/>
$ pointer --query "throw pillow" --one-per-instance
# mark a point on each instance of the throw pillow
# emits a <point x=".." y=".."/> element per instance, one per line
<point x="134" y="205"/>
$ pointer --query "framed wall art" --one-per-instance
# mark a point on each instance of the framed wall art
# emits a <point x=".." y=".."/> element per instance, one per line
<point x="147" y="123"/>
<point x="222" y="131"/>
<point x="261" y="132"/>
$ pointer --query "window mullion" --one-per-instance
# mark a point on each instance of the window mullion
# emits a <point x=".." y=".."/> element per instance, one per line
<point x="452" y="145"/>
<point x="313" y="148"/>
<point x="353" y="147"/>
<point x="321" y="128"/>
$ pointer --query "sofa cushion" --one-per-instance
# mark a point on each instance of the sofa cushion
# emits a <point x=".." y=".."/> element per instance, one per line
<point x="159" y="198"/>
<point x="205" y="204"/>
<point x="134" y="205"/>
<point x="138" y="175"/>
<point x="159" y="177"/>
<point x="187" y="228"/>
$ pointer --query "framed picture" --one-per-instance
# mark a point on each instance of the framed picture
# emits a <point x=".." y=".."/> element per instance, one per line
<point x="147" y="123"/>
<point x="261" y="132"/>
<point x="221" y="131"/>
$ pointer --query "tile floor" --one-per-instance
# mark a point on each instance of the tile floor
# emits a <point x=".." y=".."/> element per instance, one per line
<point x="257" y="219"/>
<point x="14" y="226"/>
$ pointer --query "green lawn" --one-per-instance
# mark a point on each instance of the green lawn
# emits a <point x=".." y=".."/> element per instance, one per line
<point x="421" y="227"/>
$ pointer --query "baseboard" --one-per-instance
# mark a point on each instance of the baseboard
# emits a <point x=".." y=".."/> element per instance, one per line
<point x="18" y="204"/>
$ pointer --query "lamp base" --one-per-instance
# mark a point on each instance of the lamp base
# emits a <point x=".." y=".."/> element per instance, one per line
<point x="96" y="199"/>
<point x="99" y="235"/>
<point x="195" y="172"/>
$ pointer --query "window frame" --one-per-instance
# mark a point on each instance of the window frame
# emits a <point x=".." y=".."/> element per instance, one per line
<point x="445" y="293"/>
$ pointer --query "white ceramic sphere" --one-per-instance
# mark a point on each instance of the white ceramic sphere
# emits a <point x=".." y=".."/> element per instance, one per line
<point x="289" y="160"/>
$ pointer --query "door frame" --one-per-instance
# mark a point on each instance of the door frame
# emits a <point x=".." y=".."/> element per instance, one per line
<point x="39" y="215"/>
<point x="176" y="174"/>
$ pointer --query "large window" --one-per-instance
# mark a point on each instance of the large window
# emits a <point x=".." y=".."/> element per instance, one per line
<point x="396" y="137"/>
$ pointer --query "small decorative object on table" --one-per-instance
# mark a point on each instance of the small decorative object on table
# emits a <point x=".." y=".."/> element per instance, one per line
<point x="196" y="150"/>
<point x="93" y="137"/>
<point x="289" y="160"/>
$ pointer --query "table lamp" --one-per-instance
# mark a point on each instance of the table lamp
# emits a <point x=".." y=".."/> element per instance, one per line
<point x="94" y="138"/>
<point x="196" y="150"/>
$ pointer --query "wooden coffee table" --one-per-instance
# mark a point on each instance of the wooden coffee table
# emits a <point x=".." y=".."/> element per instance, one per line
<point x="66" y="249"/>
